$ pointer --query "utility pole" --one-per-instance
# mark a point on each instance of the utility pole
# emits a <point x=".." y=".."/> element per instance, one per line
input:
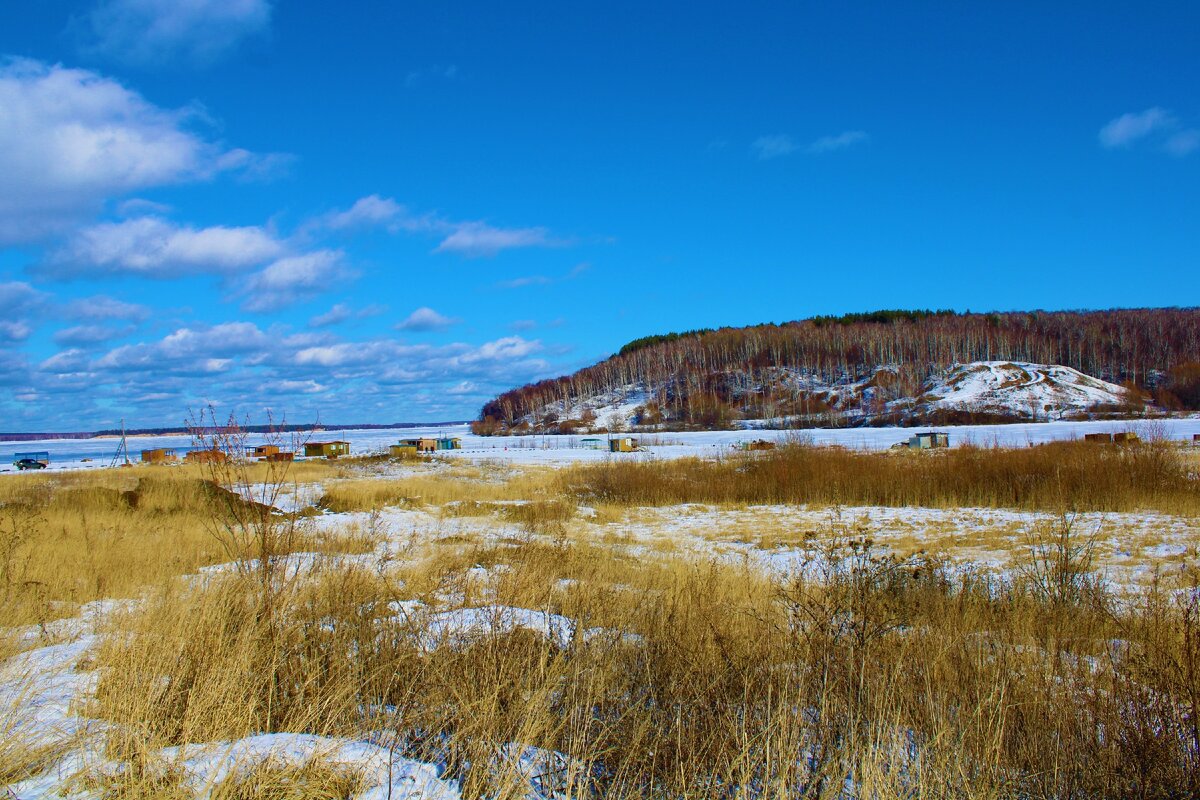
<point x="122" y="449"/>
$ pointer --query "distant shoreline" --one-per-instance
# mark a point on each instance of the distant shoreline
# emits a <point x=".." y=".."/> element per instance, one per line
<point x="183" y="431"/>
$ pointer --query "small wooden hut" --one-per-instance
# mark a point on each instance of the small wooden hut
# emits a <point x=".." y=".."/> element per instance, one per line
<point x="326" y="449"/>
<point x="159" y="455"/>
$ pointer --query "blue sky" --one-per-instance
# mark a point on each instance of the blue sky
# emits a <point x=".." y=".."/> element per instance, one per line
<point x="388" y="212"/>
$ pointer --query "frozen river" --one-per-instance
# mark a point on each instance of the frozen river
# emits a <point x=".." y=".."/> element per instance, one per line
<point x="98" y="453"/>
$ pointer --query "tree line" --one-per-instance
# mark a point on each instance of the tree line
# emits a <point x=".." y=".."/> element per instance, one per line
<point x="1156" y="350"/>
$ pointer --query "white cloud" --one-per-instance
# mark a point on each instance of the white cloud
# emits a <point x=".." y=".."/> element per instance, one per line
<point x="340" y="312"/>
<point x="293" y="279"/>
<point x="544" y="280"/>
<point x="526" y="280"/>
<point x="301" y="387"/>
<point x="425" y="319"/>
<point x="71" y="139"/>
<point x="370" y="211"/>
<point x="15" y="330"/>
<point x="471" y="238"/>
<point x="774" y="146"/>
<point x="476" y="239"/>
<point x="1183" y="143"/>
<point x="1128" y="128"/>
<point x="349" y="354"/>
<point x="828" y="144"/>
<point x="18" y="303"/>
<point x="101" y="307"/>
<point x="140" y="206"/>
<point x="83" y="335"/>
<point x="505" y="349"/>
<point x="18" y="297"/>
<point x="436" y="72"/>
<point x="203" y="349"/>
<point x="66" y="362"/>
<point x="780" y="144"/>
<point x="153" y="247"/>
<point x="155" y="31"/>
<point x="238" y="365"/>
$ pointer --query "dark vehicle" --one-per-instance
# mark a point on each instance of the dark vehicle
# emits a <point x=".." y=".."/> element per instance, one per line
<point x="38" y="459"/>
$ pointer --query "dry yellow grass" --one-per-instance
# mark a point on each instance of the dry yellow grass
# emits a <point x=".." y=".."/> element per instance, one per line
<point x="67" y="539"/>
<point x="680" y="673"/>
<point x="438" y="488"/>
<point x="1055" y="477"/>
<point x="696" y="674"/>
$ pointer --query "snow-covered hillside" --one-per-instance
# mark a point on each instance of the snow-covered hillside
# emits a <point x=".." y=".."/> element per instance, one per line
<point x="1037" y="391"/>
<point x="977" y="391"/>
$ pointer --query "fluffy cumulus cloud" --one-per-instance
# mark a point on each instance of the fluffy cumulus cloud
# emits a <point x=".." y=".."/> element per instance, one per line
<point x="71" y="139"/>
<point x="14" y="330"/>
<point x="507" y="349"/>
<point x="18" y="297"/>
<point x="189" y="350"/>
<point x="425" y="319"/>
<point x="257" y="267"/>
<point x="19" y="303"/>
<point x="293" y="279"/>
<point x="147" y="32"/>
<point x="153" y="247"/>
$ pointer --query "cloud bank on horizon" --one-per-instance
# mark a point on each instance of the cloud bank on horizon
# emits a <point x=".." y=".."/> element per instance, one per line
<point x="392" y="215"/>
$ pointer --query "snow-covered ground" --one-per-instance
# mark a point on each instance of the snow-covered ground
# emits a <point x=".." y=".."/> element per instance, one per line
<point x="43" y="691"/>
<point x="72" y="454"/>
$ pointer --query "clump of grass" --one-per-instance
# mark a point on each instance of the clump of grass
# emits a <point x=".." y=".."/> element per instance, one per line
<point x="212" y="662"/>
<point x="274" y="779"/>
<point x="541" y="516"/>
<point x="367" y="496"/>
<point x="435" y="489"/>
<point x="69" y="539"/>
<point x="139" y="776"/>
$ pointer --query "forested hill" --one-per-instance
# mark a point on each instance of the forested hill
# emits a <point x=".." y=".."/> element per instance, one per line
<point x="691" y="376"/>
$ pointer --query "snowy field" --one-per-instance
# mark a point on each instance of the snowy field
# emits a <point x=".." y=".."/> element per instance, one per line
<point x="72" y="454"/>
